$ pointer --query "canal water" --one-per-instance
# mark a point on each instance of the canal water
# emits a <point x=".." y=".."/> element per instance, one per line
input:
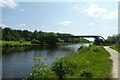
<point x="18" y="62"/>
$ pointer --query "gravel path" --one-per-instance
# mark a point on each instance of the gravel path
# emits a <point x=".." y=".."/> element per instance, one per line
<point x="114" y="57"/>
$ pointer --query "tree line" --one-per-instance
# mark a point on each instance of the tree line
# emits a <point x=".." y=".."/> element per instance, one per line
<point x="38" y="37"/>
<point x="114" y="39"/>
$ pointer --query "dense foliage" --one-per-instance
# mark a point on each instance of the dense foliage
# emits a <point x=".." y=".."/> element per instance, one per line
<point x="111" y="40"/>
<point x="63" y="68"/>
<point x="115" y="39"/>
<point x="117" y="48"/>
<point x="40" y="70"/>
<point x="38" y="37"/>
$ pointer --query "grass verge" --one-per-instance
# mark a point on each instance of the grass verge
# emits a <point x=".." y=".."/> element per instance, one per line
<point x="92" y="59"/>
<point x="115" y="48"/>
<point x="87" y="62"/>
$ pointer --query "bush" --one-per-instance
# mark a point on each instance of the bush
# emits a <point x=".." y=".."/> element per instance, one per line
<point x="63" y="68"/>
<point x="86" y="74"/>
<point x="34" y="41"/>
<point x="40" y="70"/>
<point x="21" y="41"/>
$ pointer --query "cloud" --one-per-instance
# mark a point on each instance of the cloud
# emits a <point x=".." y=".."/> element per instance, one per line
<point x="90" y="24"/>
<point x="8" y="3"/>
<point x="95" y="11"/>
<point x="92" y="30"/>
<point x="21" y="25"/>
<point x="3" y="26"/>
<point x="42" y="26"/>
<point x="99" y="12"/>
<point x="65" y="23"/>
<point x="22" y="10"/>
<point x="75" y="7"/>
<point x="111" y="15"/>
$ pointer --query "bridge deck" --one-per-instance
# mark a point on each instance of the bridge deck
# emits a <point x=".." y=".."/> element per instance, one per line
<point x="84" y="36"/>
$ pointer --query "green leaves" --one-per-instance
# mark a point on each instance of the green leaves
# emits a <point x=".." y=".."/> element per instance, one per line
<point x="88" y="62"/>
<point x="86" y="74"/>
<point x="63" y="68"/>
<point x="40" y="70"/>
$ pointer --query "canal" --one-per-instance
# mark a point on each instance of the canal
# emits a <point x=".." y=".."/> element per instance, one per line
<point x="18" y="62"/>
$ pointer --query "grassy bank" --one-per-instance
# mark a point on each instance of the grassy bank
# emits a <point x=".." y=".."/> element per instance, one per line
<point x="16" y="43"/>
<point x="88" y="62"/>
<point x="26" y="43"/>
<point x="93" y="59"/>
<point x="115" y="48"/>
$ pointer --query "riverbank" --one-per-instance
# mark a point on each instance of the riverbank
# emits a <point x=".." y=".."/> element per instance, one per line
<point x="26" y="43"/>
<point x="87" y="62"/>
<point x="21" y="44"/>
<point x="17" y="44"/>
<point x="115" y="48"/>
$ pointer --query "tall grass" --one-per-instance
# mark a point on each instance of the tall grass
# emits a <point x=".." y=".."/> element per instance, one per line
<point x="117" y="48"/>
<point x="87" y="62"/>
<point x="93" y="59"/>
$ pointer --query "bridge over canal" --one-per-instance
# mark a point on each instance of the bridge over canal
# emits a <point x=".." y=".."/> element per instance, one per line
<point x="85" y="36"/>
<point x="98" y="39"/>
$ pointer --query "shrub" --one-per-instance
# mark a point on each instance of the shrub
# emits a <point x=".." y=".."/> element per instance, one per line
<point x="34" y="41"/>
<point x="63" y="67"/>
<point x="21" y="41"/>
<point x="40" y="70"/>
<point x="86" y="74"/>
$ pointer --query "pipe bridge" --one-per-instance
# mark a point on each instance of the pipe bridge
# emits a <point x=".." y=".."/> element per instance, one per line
<point x="87" y="36"/>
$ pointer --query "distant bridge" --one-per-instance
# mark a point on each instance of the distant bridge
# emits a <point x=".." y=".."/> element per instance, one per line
<point x="86" y="36"/>
<point x="90" y="36"/>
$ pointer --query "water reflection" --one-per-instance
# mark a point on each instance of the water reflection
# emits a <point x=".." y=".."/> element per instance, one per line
<point x="17" y="62"/>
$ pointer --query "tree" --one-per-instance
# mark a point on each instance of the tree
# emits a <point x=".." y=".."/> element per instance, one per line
<point x="34" y="41"/>
<point x="35" y="35"/>
<point x="51" y="39"/>
<point x="38" y="37"/>
<point x="115" y="39"/>
<point x="41" y="37"/>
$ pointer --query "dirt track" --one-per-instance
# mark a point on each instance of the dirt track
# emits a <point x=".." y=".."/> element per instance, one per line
<point x="114" y="57"/>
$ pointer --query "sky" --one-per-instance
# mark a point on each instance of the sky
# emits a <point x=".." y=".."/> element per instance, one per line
<point x="78" y="18"/>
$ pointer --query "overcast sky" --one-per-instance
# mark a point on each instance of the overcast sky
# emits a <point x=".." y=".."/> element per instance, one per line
<point x="78" y="18"/>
